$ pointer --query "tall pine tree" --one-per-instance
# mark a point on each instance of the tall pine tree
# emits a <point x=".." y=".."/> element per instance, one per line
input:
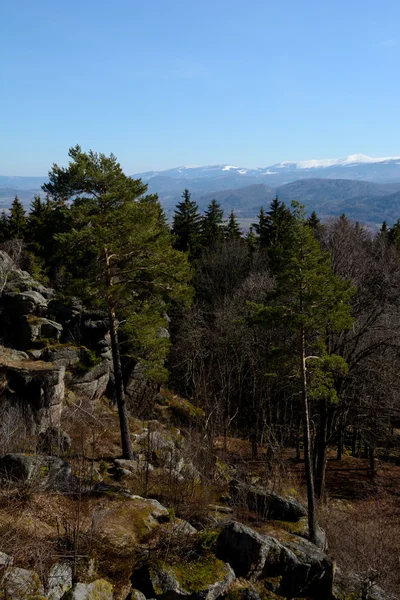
<point x="119" y="253"/>
<point x="186" y="226"/>
<point x="232" y="228"/>
<point x="17" y="221"/>
<point x="212" y="224"/>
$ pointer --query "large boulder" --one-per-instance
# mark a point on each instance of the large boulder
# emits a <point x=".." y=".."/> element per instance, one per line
<point x="293" y="568"/>
<point x="266" y="503"/>
<point x="97" y="590"/>
<point x="19" y="584"/>
<point x="40" y="471"/>
<point x="206" y="578"/>
<point x="59" y="581"/>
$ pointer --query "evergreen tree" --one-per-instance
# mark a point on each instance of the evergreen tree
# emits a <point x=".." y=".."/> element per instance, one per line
<point x="120" y="255"/>
<point x="251" y="239"/>
<point x="4" y="228"/>
<point x="262" y="228"/>
<point x="186" y="226"/>
<point x="279" y="233"/>
<point x="384" y="229"/>
<point x="311" y="301"/>
<point x="232" y="228"/>
<point x="17" y="221"/>
<point x="313" y="221"/>
<point x="212" y="223"/>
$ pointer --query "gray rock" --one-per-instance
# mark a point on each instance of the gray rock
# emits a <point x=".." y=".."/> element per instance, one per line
<point x="302" y="569"/>
<point x="5" y="559"/>
<point x="180" y="526"/>
<point x="134" y="466"/>
<point x="24" y="303"/>
<point x="41" y="388"/>
<point x="266" y="503"/>
<point x="50" y="329"/>
<point x="62" y="355"/>
<point x="42" y="472"/>
<point x="163" y="332"/>
<point x="159" y="512"/>
<point x="135" y="594"/>
<point x="163" y="582"/>
<point x="19" y="583"/>
<point x="98" y="590"/>
<point x="26" y="283"/>
<point x="91" y="384"/>
<point x="60" y="581"/>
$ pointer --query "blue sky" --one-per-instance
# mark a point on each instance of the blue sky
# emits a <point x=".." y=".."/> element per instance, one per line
<point x="164" y="83"/>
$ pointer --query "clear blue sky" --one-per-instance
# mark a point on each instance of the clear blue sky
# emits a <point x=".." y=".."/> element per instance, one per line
<point x="163" y="83"/>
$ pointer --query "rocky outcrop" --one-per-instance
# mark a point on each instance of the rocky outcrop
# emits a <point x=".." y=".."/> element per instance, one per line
<point x="293" y="568"/>
<point x="40" y="386"/>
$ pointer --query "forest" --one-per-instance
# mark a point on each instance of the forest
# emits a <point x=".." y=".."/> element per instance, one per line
<point x="282" y="340"/>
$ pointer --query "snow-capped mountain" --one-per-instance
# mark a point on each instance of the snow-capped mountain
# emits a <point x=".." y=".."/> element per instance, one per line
<point x="366" y="188"/>
<point x="370" y="168"/>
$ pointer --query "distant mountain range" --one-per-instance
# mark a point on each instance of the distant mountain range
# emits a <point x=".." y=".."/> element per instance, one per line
<point x="365" y="188"/>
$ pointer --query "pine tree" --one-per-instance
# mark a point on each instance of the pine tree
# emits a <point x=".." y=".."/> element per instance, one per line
<point x="119" y="252"/>
<point x="232" y="228"/>
<point x="186" y="226"/>
<point x="311" y="301"/>
<point x="4" y="228"/>
<point x="212" y="224"/>
<point x="313" y="221"/>
<point x="251" y="239"/>
<point x="262" y="228"/>
<point x="17" y="221"/>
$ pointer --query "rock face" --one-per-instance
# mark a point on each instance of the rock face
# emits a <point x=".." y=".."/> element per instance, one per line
<point x="204" y="579"/>
<point x="295" y="568"/>
<point x="41" y="386"/>
<point x="91" y="384"/>
<point x="42" y="472"/>
<point x="266" y="503"/>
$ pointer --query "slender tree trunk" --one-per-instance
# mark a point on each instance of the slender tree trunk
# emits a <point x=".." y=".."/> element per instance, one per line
<point x="126" y="442"/>
<point x="298" y="437"/>
<point x="127" y="449"/>
<point x="321" y="450"/>
<point x="372" y="466"/>
<point x="340" y="442"/>
<point x="312" y="519"/>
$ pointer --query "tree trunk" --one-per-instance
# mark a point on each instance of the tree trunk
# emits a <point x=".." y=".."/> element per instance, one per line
<point x="340" y="442"/>
<point x="312" y="519"/>
<point x="127" y="449"/>
<point x="321" y="450"/>
<point x="372" y="466"/>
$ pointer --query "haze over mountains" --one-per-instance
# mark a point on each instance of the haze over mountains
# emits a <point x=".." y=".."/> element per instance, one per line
<point x="365" y="188"/>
